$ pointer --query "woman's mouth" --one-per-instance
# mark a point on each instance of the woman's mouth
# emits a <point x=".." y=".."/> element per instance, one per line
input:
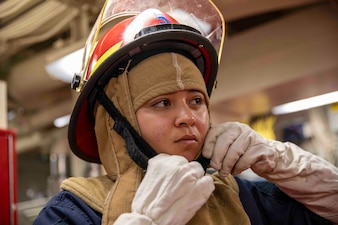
<point x="188" y="139"/>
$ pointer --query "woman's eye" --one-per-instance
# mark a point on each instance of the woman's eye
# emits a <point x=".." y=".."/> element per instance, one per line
<point x="197" y="101"/>
<point x="162" y="103"/>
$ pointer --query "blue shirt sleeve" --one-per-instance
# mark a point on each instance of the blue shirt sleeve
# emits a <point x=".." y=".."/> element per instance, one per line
<point x="266" y="204"/>
<point x="67" y="208"/>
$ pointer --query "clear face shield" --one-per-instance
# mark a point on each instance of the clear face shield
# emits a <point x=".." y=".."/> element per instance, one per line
<point x="201" y="15"/>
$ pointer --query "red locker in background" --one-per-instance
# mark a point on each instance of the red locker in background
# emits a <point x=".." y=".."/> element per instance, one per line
<point x="8" y="178"/>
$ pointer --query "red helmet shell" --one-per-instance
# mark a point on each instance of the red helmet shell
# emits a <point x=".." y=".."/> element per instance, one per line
<point x="123" y="33"/>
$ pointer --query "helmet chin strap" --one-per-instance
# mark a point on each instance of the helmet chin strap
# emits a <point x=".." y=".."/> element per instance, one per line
<point x="138" y="149"/>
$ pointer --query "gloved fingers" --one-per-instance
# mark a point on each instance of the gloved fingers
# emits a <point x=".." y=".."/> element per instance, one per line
<point x="220" y="151"/>
<point x="235" y="152"/>
<point x="234" y="147"/>
<point x="188" y="204"/>
<point x="238" y="157"/>
<point x="177" y="212"/>
<point x="160" y="171"/>
<point x="197" y="194"/>
<point x="195" y="168"/>
<point x="163" y="166"/>
<point x="246" y="158"/>
<point x="206" y="186"/>
<point x="168" y="179"/>
<point x="217" y="142"/>
<point x="210" y="140"/>
<point x="182" y="182"/>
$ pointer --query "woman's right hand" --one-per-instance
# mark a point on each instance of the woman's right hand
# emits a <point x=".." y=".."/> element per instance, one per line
<point x="172" y="191"/>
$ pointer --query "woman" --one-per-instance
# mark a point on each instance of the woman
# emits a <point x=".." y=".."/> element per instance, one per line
<point x="144" y="114"/>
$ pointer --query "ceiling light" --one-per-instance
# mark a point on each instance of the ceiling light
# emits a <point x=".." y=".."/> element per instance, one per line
<point x="305" y="104"/>
<point x="65" y="67"/>
<point x="62" y="121"/>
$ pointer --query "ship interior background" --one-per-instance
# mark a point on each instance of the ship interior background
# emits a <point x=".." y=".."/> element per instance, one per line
<point x="275" y="52"/>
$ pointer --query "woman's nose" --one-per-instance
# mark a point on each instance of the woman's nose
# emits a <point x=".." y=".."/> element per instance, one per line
<point x="184" y="116"/>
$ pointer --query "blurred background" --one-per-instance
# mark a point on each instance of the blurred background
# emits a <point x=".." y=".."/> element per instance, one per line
<point x="275" y="52"/>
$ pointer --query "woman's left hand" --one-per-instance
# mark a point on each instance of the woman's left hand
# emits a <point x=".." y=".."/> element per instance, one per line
<point x="234" y="147"/>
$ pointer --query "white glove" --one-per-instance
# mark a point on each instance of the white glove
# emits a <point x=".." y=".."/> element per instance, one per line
<point x="172" y="191"/>
<point x="234" y="147"/>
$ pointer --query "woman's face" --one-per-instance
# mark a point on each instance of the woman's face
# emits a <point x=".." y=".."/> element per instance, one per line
<point x="175" y="123"/>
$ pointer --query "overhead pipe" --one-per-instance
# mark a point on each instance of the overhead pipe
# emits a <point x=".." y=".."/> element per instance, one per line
<point x="38" y="139"/>
<point x="41" y="119"/>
